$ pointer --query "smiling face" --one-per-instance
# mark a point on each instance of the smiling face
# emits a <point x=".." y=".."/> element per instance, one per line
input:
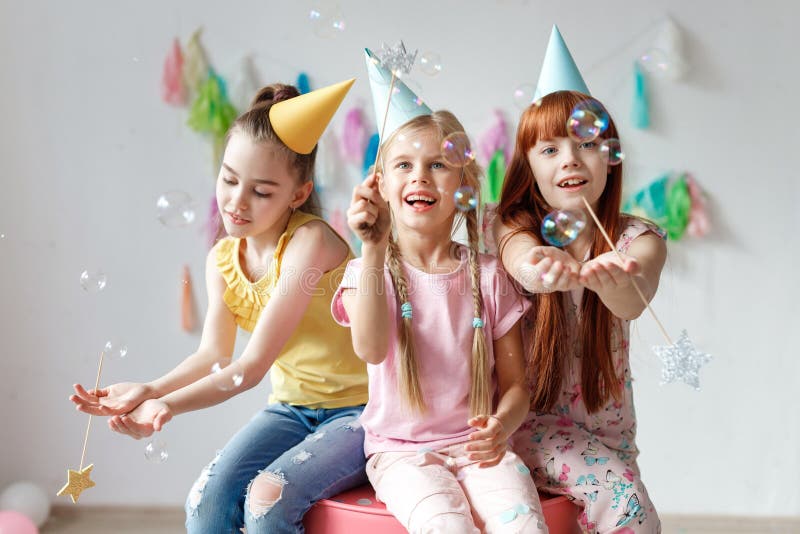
<point x="566" y="170"/>
<point x="417" y="183"/>
<point x="256" y="187"/>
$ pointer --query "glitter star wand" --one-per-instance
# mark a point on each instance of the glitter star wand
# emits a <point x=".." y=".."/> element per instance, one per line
<point x="79" y="480"/>
<point x="681" y="359"/>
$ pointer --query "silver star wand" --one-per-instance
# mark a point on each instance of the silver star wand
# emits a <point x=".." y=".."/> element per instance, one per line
<point x="682" y="360"/>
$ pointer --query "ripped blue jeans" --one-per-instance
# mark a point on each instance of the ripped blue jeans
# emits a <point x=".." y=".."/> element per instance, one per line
<point x="275" y="468"/>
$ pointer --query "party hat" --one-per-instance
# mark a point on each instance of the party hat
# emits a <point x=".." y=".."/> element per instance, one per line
<point x="559" y="72"/>
<point x="404" y="104"/>
<point x="300" y="121"/>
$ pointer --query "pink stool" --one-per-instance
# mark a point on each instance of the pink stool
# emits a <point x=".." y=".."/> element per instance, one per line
<point x="357" y="511"/>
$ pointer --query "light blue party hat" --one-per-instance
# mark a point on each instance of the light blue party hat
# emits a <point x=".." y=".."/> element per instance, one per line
<point x="559" y="72"/>
<point x="405" y="104"/>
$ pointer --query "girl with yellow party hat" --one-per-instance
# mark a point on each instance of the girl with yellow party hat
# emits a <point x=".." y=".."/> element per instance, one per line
<point x="274" y="276"/>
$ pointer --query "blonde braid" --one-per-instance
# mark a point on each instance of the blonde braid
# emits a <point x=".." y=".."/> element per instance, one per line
<point x="480" y="401"/>
<point x="407" y="375"/>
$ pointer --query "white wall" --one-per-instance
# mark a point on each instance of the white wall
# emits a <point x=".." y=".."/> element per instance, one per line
<point x="87" y="146"/>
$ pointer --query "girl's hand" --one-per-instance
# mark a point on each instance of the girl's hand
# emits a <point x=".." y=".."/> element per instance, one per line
<point x="368" y="214"/>
<point x="489" y="444"/>
<point x="148" y="417"/>
<point x="548" y="269"/>
<point x="606" y="273"/>
<point x="113" y="400"/>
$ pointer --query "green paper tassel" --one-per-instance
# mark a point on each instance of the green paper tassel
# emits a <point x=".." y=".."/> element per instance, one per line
<point x="650" y="202"/>
<point x="679" y="204"/>
<point x="641" y="107"/>
<point x="211" y="112"/>
<point x="495" y="172"/>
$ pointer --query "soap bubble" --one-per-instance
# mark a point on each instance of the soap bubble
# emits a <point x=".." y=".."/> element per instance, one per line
<point x="93" y="281"/>
<point x="175" y="209"/>
<point x="562" y="227"/>
<point x="465" y="198"/>
<point x="456" y="150"/>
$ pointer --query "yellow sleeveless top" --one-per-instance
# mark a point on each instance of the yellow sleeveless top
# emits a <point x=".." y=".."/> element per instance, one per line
<point x="317" y="367"/>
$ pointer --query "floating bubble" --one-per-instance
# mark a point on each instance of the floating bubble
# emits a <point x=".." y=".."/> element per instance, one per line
<point x="603" y="120"/>
<point x="175" y="209"/>
<point x="583" y="125"/>
<point x="612" y="150"/>
<point x="326" y="20"/>
<point x="465" y="198"/>
<point x="115" y="349"/>
<point x="93" y="281"/>
<point x="523" y="95"/>
<point x="227" y="377"/>
<point x="562" y="227"/>
<point x="456" y="150"/>
<point x="656" y="62"/>
<point x="156" y="451"/>
<point x="430" y="63"/>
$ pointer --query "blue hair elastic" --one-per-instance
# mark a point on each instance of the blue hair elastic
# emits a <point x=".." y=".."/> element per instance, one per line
<point x="477" y="322"/>
<point x="405" y="310"/>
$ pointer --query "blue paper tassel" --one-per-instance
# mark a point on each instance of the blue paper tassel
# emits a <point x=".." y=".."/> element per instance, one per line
<point x="641" y="107"/>
<point x="303" y="84"/>
<point x="371" y="152"/>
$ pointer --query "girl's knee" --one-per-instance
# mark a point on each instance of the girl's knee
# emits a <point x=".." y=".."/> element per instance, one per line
<point x="199" y="487"/>
<point x="444" y="523"/>
<point x="518" y="519"/>
<point x="264" y="493"/>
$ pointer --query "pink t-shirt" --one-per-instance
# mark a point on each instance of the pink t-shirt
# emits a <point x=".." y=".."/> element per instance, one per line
<point x="443" y="332"/>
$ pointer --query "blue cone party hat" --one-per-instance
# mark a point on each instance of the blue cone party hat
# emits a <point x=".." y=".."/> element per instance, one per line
<point x="405" y="104"/>
<point x="559" y="72"/>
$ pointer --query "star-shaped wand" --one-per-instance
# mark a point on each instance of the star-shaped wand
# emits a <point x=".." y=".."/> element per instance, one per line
<point x="79" y="480"/>
<point x="682" y="361"/>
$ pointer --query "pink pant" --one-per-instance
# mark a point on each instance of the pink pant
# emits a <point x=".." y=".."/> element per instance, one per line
<point x="444" y="491"/>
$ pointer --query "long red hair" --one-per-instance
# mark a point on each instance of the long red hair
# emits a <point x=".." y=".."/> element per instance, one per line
<point x="523" y="207"/>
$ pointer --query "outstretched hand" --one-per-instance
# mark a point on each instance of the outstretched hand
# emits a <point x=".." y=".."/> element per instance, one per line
<point x="368" y="214"/>
<point x="607" y="273"/>
<point x="547" y="269"/>
<point x="489" y="444"/>
<point x="112" y="400"/>
<point x="148" y="417"/>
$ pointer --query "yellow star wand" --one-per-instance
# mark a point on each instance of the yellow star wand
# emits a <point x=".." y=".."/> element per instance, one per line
<point x="79" y="480"/>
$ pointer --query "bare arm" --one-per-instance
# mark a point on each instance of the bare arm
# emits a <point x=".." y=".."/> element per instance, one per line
<point x="611" y="279"/>
<point x="366" y="306"/>
<point x="536" y="267"/>
<point x="313" y="251"/>
<point x="216" y="341"/>
<point x="489" y="444"/>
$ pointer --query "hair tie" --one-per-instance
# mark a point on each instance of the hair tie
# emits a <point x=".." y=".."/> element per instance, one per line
<point x="477" y="322"/>
<point x="405" y="310"/>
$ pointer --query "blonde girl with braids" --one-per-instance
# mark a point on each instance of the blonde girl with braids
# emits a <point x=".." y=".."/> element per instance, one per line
<point x="437" y="324"/>
<point x="274" y="276"/>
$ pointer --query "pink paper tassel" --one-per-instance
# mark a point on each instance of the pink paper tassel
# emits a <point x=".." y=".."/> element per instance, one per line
<point x="354" y="136"/>
<point x="188" y="319"/>
<point x="495" y="138"/>
<point x="173" y="90"/>
<point x="339" y="223"/>
<point x="699" y="223"/>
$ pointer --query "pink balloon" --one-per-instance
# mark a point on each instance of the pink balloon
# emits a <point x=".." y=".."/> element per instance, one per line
<point x="15" y="523"/>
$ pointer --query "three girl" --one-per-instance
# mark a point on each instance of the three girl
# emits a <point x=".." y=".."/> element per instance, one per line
<point x="273" y="276"/>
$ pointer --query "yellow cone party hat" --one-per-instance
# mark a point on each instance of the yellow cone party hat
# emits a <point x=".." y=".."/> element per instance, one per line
<point x="300" y="121"/>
